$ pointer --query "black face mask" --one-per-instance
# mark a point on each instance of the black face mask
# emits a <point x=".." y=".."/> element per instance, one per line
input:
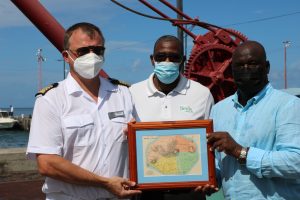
<point x="250" y="81"/>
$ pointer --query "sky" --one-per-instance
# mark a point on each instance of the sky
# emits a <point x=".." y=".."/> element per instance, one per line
<point x="130" y="39"/>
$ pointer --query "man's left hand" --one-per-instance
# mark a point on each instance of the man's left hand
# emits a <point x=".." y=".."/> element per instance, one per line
<point x="222" y="141"/>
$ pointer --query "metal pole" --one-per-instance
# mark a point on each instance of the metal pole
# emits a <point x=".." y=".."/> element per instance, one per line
<point x="146" y="3"/>
<point x="179" y="30"/>
<point x="286" y="45"/>
<point x="64" y="66"/>
<point x="285" y="82"/>
<point x="40" y="59"/>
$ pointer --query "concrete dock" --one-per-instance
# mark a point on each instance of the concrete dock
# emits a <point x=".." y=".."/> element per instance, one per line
<point x="23" y="122"/>
<point x="19" y="178"/>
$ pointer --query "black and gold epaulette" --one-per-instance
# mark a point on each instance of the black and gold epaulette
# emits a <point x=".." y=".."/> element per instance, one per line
<point x="117" y="82"/>
<point x="46" y="89"/>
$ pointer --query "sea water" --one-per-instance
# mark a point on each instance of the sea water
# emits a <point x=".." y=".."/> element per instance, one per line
<point x="12" y="138"/>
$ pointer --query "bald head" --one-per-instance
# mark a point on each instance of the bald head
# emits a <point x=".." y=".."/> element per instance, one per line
<point x="250" y="69"/>
<point x="250" y="47"/>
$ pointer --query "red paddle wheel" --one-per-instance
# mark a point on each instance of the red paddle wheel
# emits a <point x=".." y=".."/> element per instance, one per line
<point x="210" y="59"/>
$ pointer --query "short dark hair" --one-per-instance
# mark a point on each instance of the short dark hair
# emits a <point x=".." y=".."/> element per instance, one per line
<point x="168" y="38"/>
<point x="88" y="28"/>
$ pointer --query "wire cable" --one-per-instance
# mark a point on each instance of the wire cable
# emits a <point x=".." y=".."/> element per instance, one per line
<point x="176" y="21"/>
<point x="263" y="19"/>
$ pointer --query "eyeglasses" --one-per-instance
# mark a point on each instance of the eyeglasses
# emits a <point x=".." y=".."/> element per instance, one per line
<point x="248" y="66"/>
<point x="173" y="57"/>
<point x="99" y="50"/>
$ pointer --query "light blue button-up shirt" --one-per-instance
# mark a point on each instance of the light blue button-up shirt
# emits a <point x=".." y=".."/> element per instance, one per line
<point x="270" y="125"/>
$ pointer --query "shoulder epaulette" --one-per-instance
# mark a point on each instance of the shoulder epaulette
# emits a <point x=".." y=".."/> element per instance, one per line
<point x="117" y="82"/>
<point x="46" y="89"/>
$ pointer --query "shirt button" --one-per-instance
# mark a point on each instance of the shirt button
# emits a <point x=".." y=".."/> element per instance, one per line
<point x="166" y="106"/>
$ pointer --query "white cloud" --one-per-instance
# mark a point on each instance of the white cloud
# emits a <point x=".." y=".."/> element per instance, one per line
<point x="127" y="46"/>
<point x="136" y="65"/>
<point x="296" y="65"/>
<point x="259" y="12"/>
<point x="293" y="74"/>
<point x="11" y="16"/>
<point x="276" y="76"/>
<point x="58" y="5"/>
<point x="67" y="11"/>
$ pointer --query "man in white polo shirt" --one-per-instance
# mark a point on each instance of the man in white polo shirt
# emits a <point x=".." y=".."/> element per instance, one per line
<point x="167" y="96"/>
<point x="76" y="134"/>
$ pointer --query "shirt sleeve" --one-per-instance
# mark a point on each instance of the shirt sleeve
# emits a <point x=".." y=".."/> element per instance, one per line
<point x="209" y="104"/>
<point x="217" y="159"/>
<point x="284" y="159"/>
<point x="45" y="131"/>
<point x="134" y="111"/>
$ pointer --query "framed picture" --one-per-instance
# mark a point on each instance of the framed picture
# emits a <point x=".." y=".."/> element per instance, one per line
<point x="171" y="154"/>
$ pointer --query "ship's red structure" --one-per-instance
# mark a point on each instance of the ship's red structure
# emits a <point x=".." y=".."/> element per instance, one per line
<point x="210" y="57"/>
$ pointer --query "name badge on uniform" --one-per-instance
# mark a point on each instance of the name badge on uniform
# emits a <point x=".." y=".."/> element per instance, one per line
<point x="116" y="114"/>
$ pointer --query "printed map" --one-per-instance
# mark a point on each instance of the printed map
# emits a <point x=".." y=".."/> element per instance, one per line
<point x="172" y="155"/>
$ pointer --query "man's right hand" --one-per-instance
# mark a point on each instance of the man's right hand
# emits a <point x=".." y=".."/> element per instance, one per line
<point x="121" y="187"/>
<point x="57" y="167"/>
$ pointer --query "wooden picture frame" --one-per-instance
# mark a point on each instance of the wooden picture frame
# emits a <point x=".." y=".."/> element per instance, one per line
<point x="171" y="154"/>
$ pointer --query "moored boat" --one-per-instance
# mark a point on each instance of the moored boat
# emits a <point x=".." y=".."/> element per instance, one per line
<point x="6" y="121"/>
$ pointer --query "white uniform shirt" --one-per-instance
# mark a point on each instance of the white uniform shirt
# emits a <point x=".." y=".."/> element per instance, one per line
<point x="67" y="122"/>
<point x="188" y="101"/>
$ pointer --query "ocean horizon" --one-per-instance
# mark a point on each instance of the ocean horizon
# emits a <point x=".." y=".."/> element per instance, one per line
<point x="26" y="111"/>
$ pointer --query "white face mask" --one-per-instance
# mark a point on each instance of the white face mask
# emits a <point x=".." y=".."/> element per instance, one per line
<point x="89" y="65"/>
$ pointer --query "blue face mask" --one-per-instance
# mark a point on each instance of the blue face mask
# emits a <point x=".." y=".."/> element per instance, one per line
<point x="166" y="72"/>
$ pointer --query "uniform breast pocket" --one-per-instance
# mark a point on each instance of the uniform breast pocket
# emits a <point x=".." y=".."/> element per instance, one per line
<point x="79" y="130"/>
<point x="120" y="125"/>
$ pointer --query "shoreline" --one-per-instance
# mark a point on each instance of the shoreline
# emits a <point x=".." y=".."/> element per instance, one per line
<point x="14" y="166"/>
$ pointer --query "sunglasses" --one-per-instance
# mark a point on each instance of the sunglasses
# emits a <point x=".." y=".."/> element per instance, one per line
<point x="99" y="50"/>
<point x="173" y="57"/>
<point x="244" y="66"/>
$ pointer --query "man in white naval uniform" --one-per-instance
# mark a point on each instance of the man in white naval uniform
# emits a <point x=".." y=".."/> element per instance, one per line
<point x="77" y="132"/>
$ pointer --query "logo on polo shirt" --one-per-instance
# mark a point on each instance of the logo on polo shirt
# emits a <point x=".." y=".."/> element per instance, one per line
<point x="187" y="109"/>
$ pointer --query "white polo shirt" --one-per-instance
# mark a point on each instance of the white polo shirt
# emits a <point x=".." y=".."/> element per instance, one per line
<point x="67" y="122"/>
<point x="188" y="101"/>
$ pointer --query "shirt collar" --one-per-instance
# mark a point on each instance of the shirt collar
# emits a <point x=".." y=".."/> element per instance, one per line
<point x="181" y="87"/>
<point x="255" y="99"/>
<point x="73" y="87"/>
<point x="106" y="85"/>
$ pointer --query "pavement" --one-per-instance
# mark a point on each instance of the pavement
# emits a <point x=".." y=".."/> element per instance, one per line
<point x="19" y="177"/>
<point x="21" y="186"/>
<point x="22" y="190"/>
<point x="32" y="190"/>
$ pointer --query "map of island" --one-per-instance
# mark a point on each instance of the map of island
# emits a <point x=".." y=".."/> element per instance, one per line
<point x="171" y="155"/>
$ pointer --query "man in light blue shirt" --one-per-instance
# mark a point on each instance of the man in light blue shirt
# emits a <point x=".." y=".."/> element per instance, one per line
<point x="257" y="136"/>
